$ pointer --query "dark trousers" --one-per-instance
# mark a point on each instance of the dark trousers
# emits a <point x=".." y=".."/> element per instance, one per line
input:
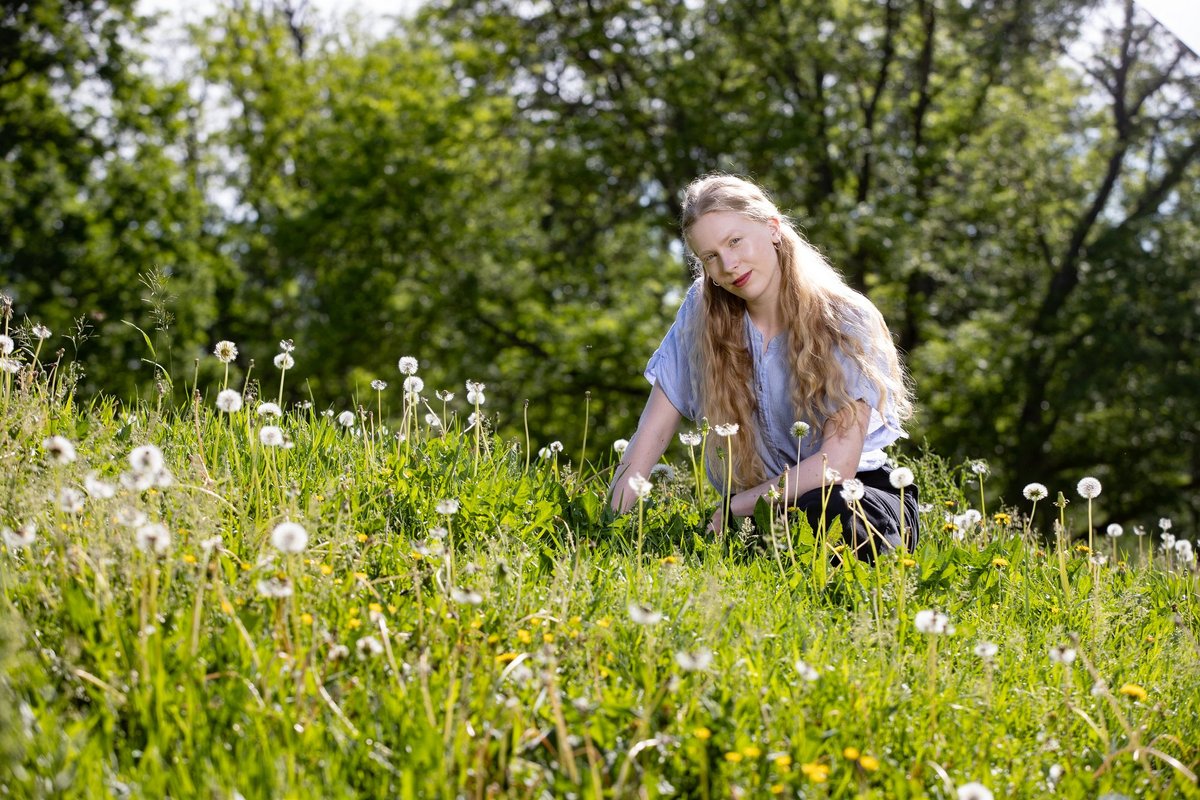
<point x="880" y="505"/>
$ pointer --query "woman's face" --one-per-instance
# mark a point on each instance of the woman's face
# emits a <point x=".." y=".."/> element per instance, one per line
<point x="739" y="254"/>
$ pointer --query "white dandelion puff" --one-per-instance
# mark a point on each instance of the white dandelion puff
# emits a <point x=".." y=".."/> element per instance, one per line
<point x="695" y="661"/>
<point x="901" y="478"/>
<point x="980" y="468"/>
<point x="347" y="419"/>
<point x="447" y="507"/>
<point x="1035" y="491"/>
<point x="475" y="395"/>
<point x="70" y="500"/>
<point x="10" y="365"/>
<point x="413" y="385"/>
<point x="806" y="671"/>
<point x="20" y="538"/>
<point x="284" y="361"/>
<point x="1088" y="488"/>
<point x="1114" y="530"/>
<point x="378" y="385"/>
<point x="287" y="346"/>
<point x="800" y="429"/>
<point x="269" y="410"/>
<point x="229" y="401"/>
<point x="432" y="420"/>
<point x="641" y="486"/>
<point x="271" y="436"/>
<point x="644" y="615"/>
<point x="41" y="332"/>
<point x="662" y="473"/>
<point x="853" y="490"/>
<point x="1062" y="654"/>
<point x="59" y="449"/>
<point x="225" y="351"/>
<point x="1184" y="551"/>
<point x="146" y="459"/>
<point x="289" y="537"/>
<point x="6" y="345"/>
<point x="726" y="430"/>
<point x="275" y="587"/>
<point x="129" y="517"/>
<point x="407" y="365"/>
<point x="986" y="650"/>
<point x="974" y="791"/>
<point x="620" y="446"/>
<point x="1164" y="523"/>
<point x="832" y="475"/>
<point x="369" y="647"/>
<point x="465" y="597"/>
<point x="690" y="439"/>
<point x="932" y="622"/>
<point x="98" y="489"/>
<point x="153" y="538"/>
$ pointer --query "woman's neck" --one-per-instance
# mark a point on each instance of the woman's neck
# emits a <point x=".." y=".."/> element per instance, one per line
<point x="767" y="317"/>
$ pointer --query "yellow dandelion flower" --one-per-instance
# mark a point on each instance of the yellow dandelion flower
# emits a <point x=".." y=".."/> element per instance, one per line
<point x="603" y="622"/>
<point x="353" y="623"/>
<point x="306" y="618"/>
<point x="777" y="788"/>
<point x="326" y="569"/>
<point x="245" y="567"/>
<point x="375" y="608"/>
<point x="547" y="637"/>
<point x="362" y="537"/>
<point x="524" y="637"/>
<point x="1134" y="691"/>
<point x="869" y="763"/>
<point x="750" y="751"/>
<point x="477" y="623"/>
<point x="949" y="527"/>
<point x="701" y="732"/>
<point x="226" y="606"/>
<point x="784" y="761"/>
<point x="733" y="756"/>
<point x="949" y="503"/>
<point x="188" y="558"/>
<point x="817" y="773"/>
<point x="391" y="608"/>
<point x="493" y="639"/>
<point x="1001" y="518"/>
<point x="999" y="561"/>
<point x="353" y="611"/>
<point x="535" y="621"/>
<point x="337" y="581"/>
<point x="669" y="560"/>
<point x="851" y="754"/>
<point x="504" y="658"/>
<point x="908" y="562"/>
<point x="576" y="620"/>
<point x="415" y="555"/>
<point x="1082" y="548"/>
<point x="604" y="673"/>
<point x="362" y="576"/>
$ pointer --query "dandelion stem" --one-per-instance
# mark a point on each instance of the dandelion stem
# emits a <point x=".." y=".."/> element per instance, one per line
<point x="587" y="407"/>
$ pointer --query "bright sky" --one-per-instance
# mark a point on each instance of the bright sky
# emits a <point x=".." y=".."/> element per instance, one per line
<point x="1182" y="17"/>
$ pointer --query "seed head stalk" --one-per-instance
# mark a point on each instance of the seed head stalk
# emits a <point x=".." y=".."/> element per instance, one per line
<point x="528" y="446"/>
<point x="587" y="408"/>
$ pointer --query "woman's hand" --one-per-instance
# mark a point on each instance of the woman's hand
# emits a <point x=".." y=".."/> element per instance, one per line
<point x="655" y="429"/>
<point x="716" y="525"/>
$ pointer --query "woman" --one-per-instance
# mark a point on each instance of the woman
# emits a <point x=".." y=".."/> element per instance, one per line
<point x="770" y="335"/>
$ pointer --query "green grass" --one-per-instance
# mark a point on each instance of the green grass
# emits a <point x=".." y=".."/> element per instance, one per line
<point x="132" y="673"/>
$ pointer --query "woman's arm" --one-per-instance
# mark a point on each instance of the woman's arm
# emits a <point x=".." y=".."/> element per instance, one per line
<point x="657" y="425"/>
<point x="841" y="450"/>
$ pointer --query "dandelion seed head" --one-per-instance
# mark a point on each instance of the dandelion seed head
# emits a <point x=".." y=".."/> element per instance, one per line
<point x="644" y="615"/>
<point x="475" y="393"/>
<point x="695" y="661"/>
<point x="621" y="445"/>
<point x="347" y="419"/>
<point x="369" y="647"/>
<point x="806" y="671"/>
<point x="70" y="500"/>
<point x="901" y="478"/>
<point x="662" y="473"/>
<point x="1114" y="530"/>
<point x="229" y="401"/>
<point x="1035" y="492"/>
<point x="1168" y="541"/>
<point x="641" y="486"/>
<point x="1164" y="523"/>
<point x="98" y="489"/>
<point x="271" y="436"/>
<point x="1184" y="551"/>
<point x="980" y="468"/>
<point x="225" y="351"/>
<point x="974" y="791"/>
<point x="986" y="650"/>
<point x="407" y="365"/>
<point x="41" y="332"/>
<point x="153" y="538"/>
<point x="275" y="587"/>
<point x="378" y="385"/>
<point x="447" y="507"/>
<point x="726" y="430"/>
<point x="10" y="365"/>
<point x="438" y="533"/>
<point x="6" y="345"/>
<point x="853" y="490"/>
<point x="287" y="346"/>
<point x="284" y="361"/>
<point x="800" y="429"/>
<point x="932" y="622"/>
<point x="1062" y="654"/>
<point x="433" y="420"/>
<point x="210" y="544"/>
<point x="146" y="459"/>
<point x="1088" y="488"/>
<point x="465" y="597"/>
<point x="129" y="517"/>
<point x="444" y="396"/>
<point x="20" y="538"/>
<point x="832" y="475"/>
<point x="269" y="410"/>
<point x="413" y="385"/>
<point x="59" y="449"/>
<point x="1139" y="530"/>
<point x="690" y="439"/>
<point x="338" y="652"/>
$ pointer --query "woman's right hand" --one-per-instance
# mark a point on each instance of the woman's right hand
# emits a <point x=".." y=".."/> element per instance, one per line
<point x="658" y="423"/>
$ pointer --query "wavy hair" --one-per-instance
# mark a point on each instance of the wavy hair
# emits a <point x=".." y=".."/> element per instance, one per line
<point x="820" y="314"/>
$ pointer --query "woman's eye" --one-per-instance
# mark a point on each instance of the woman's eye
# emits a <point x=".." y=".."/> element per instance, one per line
<point x="734" y="241"/>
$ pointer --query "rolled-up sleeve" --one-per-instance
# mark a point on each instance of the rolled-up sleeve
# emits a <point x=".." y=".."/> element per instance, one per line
<point x="670" y="367"/>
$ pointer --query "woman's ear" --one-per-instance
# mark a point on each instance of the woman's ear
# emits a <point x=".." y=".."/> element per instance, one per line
<point x="774" y="223"/>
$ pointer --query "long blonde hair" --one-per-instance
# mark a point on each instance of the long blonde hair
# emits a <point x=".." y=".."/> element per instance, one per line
<point x="816" y="305"/>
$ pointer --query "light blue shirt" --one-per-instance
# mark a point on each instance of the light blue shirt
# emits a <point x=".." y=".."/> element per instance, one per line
<point x="670" y="369"/>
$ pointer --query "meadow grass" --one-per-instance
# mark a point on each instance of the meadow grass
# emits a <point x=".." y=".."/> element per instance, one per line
<point x="466" y="621"/>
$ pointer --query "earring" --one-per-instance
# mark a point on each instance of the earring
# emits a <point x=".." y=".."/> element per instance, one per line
<point x="714" y="282"/>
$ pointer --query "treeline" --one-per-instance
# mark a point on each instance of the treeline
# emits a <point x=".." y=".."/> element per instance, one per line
<point x="492" y="187"/>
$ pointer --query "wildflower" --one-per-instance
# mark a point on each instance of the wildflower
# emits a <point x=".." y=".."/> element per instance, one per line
<point x="817" y="773"/>
<point x="1088" y="488"/>
<point x="1001" y="518"/>
<point x="59" y="449"/>
<point x="41" y="331"/>
<point x="146" y="460"/>
<point x="448" y="507"/>
<point x="10" y="365"/>
<point x="733" y="757"/>
<point x="445" y="397"/>
<point x="1184" y="552"/>
<point x="974" y="791"/>
<point x="620" y="446"/>
<point x="287" y="345"/>
<point x="6" y="345"/>
<point x="1061" y="654"/>
<point x="901" y="478"/>
<point x="269" y="410"/>
<point x="130" y="517"/>
<point x="22" y="537"/>
<point x="413" y="385"/>
<point x="284" y="361"/>
<point x="726" y="430"/>
<point x="407" y="365"/>
<point x="225" y="351"/>
<point x="70" y="500"/>
<point x="806" y="671"/>
<point x="853" y="490"/>
<point x="229" y="401"/>
<point x="933" y="622"/>
<point x="800" y="429"/>
<point x="475" y="393"/>
<point x="466" y="596"/>
<point x="644" y="615"/>
<point x="869" y="763"/>
<point x="970" y="517"/>
<point x="97" y="488"/>
<point x="346" y="419"/>
<point x="210" y="544"/>
<point x="1164" y="523"/>
<point x="289" y="537"/>
<point x="980" y="468"/>
<point x="438" y="533"/>
<point x="369" y="646"/>
<point x="1168" y="541"/>
<point x="1114" y="530"/>
<point x="662" y="473"/>
<point x="1134" y="691"/>
<point x="271" y="436"/>
<point x="153" y="537"/>
<point x="832" y="475"/>
<point x="1099" y="687"/>
<point x="276" y="587"/>
<point x="908" y="562"/>
<point x="691" y="439"/>
<point x="696" y="661"/>
<point x="986" y="650"/>
<point x="702" y="733"/>
<point x="1035" y="492"/>
<point x="999" y="561"/>
<point x="1139" y="530"/>
<point x="378" y="385"/>
<point x="640" y="486"/>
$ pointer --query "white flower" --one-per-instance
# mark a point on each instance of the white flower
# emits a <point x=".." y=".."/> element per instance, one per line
<point x="275" y="587"/>
<point x="644" y="615"/>
<point x="1139" y="530"/>
<point x="986" y="650"/>
<point x="10" y="365"/>
<point x="287" y="346"/>
<point x="448" y="507"/>
<point x="369" y="646"/>
<point x="225" y="351"/>
<point x="1088" y="488"/>
<point x="41" y="331"/>
<point x="1062" y="654"/>
<point x="1183" y="551"/>
<point x="853" y="490"/>
<point x="229" y="401"/>
<point x="97" y="488"/>
<point x="806" y="671"/>
<point x="1035" y="492"/>
<point x="438" y="533"/>
<point x="663" y="473"/>
<point x="696" y="661"/>
<point x="621" y="445"/>
<point x="271" y="436"/>
<point x="556" y="446"/>
<point x="284" y="361"/>
<point x="901" y="477"/>
<point x="641" y="486"/>
<point x="1168" y="541"/>
<point x="433" y="421"/>
<point x="1099" y="559"/>
<point x="466" y="597"/>
<point x="129" y="517"/>
<point x="338" y="652"/>
<point x="269" y="410"/>
<point x="691" y="439"/>
<point x="727" y="430"/>
<point x="22" y="537"/>
<point x="444" y="396"/>
<point x="474" y="419"/>
<point x="407" y="365"/>
<point x="146" y="460"/>
<point x="70" y="500"/>
<point x="971" y="517"/>
<point x="934" y="622"/>
<point x="800" y="429"/>
<point x="210" y="544"/>
<point x="289" y="537"/>
<point x="413" y="385"/>
<point x="378" y="385"/>
<point x="475" y="393"/>
<point x="6" y="345"/>
<point x="1114" y="530"/>
<point x="544" y="452"/>
<point x="59" y="449"/>
<point x="974" y="791"/>
<point x="1164" y="523"/>
<point x="153" y="538"/>
<point x="346" y="419"/>
<point x="832" y="475"/>
<point x="980" y="468"/>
